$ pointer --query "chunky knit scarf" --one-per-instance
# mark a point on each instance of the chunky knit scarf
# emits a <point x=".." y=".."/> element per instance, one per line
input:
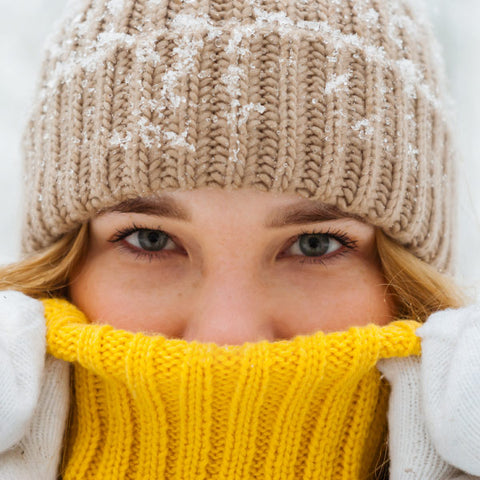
<point x="148" y="407"/>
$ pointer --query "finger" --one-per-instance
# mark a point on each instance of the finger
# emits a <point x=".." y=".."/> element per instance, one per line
<point x="412" y="454"/>
<point x="22" y="354"/>
<point x="43" y="440"/>
<point x="38" y="454"/>
<point x="451" y="385"/>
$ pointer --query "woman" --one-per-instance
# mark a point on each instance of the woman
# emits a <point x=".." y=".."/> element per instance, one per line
<point x="262" y="189"/>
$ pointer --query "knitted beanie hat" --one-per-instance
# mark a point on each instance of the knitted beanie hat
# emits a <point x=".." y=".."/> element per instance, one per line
<point x="340" y="101"/>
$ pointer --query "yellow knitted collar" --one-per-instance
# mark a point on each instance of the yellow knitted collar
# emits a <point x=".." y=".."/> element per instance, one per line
<point x="147" y="407"/>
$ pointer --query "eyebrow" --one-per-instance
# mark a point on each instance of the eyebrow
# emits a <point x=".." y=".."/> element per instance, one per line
<point x="306" y="211"/>
<point x="303" y="212"/>
<point x="160" y="207"/>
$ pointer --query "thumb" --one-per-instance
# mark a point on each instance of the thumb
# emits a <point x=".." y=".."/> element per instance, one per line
<point x="412" y="454"/>
<point x="451" y="385"/>
<point x="37" y="455"/>
<point x="22" y="354"/>
<point x="45" y="432"/>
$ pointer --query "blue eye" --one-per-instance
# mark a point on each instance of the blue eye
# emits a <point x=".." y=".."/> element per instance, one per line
<point x="150" y="240"/>
<point x="315" y="245"/>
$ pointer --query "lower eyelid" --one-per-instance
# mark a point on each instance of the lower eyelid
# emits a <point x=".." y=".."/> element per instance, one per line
<point x="325" y="259"/>
<point x="131" y="250"/>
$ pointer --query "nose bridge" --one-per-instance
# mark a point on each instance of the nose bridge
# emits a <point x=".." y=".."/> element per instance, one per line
<point x="228" y="308"/>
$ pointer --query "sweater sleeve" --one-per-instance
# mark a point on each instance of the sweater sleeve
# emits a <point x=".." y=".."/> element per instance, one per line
<point x="434" y="409"/>
<point x="450" y="377"/>
<point x="412" y="454"/>
<point x="38" y="453"/>
<point x="22" y="357"/>
<point x="34" y="393"/>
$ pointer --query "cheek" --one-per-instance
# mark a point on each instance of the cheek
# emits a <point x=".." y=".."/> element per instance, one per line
<point x="130" y="299"/>
<point x="335" y="301"/>
<point x="289" y="301"/>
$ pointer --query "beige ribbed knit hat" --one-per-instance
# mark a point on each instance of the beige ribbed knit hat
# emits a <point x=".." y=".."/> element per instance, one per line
<point x="336" y="100"/>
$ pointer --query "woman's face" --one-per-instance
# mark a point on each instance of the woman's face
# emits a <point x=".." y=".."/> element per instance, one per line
<point x="230" y="267"/>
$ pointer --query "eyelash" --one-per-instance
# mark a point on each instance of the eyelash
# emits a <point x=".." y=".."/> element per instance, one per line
<point x="348" y="244"/>
<point x="123" y="233"/>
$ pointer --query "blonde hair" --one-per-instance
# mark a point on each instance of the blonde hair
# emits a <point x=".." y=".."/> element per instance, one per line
<point x="416" y="288"/>
<point x="47" y="273"/>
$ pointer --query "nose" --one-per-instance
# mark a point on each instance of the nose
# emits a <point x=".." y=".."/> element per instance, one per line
<point x="229" y="308"/>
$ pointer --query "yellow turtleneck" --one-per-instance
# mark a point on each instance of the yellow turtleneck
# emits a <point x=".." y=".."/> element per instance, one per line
<point x="148" y="407"/>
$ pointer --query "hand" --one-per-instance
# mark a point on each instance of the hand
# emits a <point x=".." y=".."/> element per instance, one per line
<point x="412" y="454"/>
<point x="34" y="393"/>
<point x="450" y="376"/>
<point x="434" y="406"/>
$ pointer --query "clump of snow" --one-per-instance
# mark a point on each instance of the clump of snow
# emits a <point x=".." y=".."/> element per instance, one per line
<point x="365" y="14"/>
<point x="337" y="82"/>
<point x="412" y="150"/>
<point x="410" y="118"/>
<point x="115" y="7"/>
<point x="235" y="39"/>
<point x="370" y="16"/>
<point x="149" y="133"/>
<point x="238" y="114"/>
<point x="106" y="40"/>
<point x="246" y="109"/>
<point x="364" y="128"/>
<point x="410" y="75"/>
<point x="120" y="139"/>
<point x="265" y="18"/>
<point x="178" y="140"/>
<point x="231" y="80"/>
<point x="146" y="52"/>
<point x="333" y="58"/>
<point x="412" y="153"/>
<point x="184" y="54"/>
<point x="405" y="23"/>
<point x="189" y="23"/>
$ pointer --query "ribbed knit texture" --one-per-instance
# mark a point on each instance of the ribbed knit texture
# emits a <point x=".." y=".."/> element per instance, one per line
<point x="147" y="407"/>
<point x="339" y="101"/>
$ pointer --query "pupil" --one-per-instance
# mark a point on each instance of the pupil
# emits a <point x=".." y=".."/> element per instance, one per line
<point x="314" y="245"/>
<point x="152" y="239"/>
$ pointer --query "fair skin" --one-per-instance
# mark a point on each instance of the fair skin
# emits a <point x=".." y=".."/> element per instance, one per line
<point x="230" y="267"/>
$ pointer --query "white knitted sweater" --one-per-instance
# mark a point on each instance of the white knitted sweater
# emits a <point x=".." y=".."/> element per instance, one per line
<point x="434" y="414"/>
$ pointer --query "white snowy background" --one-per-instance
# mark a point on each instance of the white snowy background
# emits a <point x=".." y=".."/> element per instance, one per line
<point x="24" y="25"/>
